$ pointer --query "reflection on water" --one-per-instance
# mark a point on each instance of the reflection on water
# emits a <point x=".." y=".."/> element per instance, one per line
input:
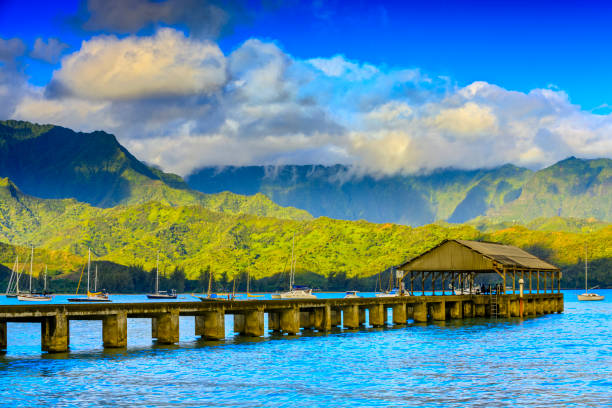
<point x="551" y="360"/>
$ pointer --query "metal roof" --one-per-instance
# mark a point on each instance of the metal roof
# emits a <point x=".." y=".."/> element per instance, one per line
<point x="475" y="256"/>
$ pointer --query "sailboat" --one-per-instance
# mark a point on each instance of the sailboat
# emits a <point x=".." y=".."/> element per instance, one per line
<point x="160" y="294"/>
<point x="209" y="295"/>
<point x="295" y="291"/>
<point x="248" y="288"/>
<point x="587" y="295"/>
<point x="91" y="296"/>
<point x="31" y="296"/>
<point x="12" y="289"/>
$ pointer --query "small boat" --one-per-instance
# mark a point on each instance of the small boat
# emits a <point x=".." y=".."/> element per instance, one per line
<point x="295" y="291"/>
<point x="351" y="294"/>
<point x="212" y="296"/>
<point x="12" y="289"/>
<point x="586" y="295"/>
<point x="248" y="288"/>
<point x="391" y="293"/>
<point x="466" y="291"/>
<point x="101" y="296"/>
<point x="32" y="296"/>
<point x="160" y="294"/>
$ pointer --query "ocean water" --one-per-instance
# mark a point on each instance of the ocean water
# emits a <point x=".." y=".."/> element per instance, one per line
<point x="552" y="360"/>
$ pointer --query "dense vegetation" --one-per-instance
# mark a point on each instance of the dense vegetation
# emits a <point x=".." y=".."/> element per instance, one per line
<point x="234" y="236"/>
<point x="570" y="188"/>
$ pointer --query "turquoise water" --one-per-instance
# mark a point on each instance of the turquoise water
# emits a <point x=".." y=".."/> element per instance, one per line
<point x="553" y="360"/>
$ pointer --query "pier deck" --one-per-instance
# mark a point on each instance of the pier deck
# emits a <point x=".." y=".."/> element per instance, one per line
<point x="284" y="316"/>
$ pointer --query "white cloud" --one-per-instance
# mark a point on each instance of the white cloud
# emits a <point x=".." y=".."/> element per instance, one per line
<point x="49" y="51"/>
<point x="166" y="64"/>
<point x="181" y="104"/>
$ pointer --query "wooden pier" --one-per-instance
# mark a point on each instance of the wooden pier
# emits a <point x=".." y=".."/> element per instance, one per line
<point x="284" y="316"/>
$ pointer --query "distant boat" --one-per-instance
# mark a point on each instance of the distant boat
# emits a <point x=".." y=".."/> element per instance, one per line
<point x="393" y="291"/>
<point x="209" y="295"/>
<point x="35" y="297"/>
<point x="160" y="294"/>
<point x="587" y="295"/>
<point x="91" y="296"/>
<point x="295" y="291"/>
<point x="248" y="287"/>
<point x="12" y="289"/>
<point x="351" y="294"/>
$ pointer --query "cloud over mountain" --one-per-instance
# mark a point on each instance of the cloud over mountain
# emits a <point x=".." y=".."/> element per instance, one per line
<point x="181" y="103"/>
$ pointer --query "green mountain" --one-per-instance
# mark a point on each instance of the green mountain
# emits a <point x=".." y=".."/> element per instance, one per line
<point x="54" y="162"/>
<point x="571" y="188"/>
<point x="194" y="238"/>
<point x="453" y="195"/>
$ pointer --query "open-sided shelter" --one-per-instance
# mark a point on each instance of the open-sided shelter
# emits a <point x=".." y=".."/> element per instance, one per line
<point x="462" y="260"/>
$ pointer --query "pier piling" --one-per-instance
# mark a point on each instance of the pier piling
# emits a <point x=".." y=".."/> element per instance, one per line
<point x="377" y="314"/>
<point x="54" y="333"/>
<point x="399" y="313"/>
<point x="167" y="327"/>
<point x="114" y="330"/>
<point x="290" y="320"/>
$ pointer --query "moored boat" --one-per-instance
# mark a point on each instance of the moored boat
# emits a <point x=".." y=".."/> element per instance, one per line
<point x="160" y="294"/>
<point x="586" y="295"/>
<point x="295" y="291"/>
<point x="101" y="296"/>
<point x="351" y="294"/>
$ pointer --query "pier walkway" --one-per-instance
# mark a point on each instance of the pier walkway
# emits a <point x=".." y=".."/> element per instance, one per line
<point x="284" y="316"/>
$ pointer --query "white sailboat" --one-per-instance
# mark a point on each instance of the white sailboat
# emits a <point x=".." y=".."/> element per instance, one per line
<point x="586" y="295"/>
<point x="295" y="291"/>
<point x="12" y="289"/>
<point x="31" y="296"/>
<point x="91" y="296"/>
<point x="160" y="294"/>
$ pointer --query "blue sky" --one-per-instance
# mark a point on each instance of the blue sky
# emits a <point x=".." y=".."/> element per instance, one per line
<point x="452" y="73"/>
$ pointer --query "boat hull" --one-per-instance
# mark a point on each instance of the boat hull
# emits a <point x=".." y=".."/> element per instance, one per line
<point x="88" y="300"/>
<point x="161" y="296"/>
<point x="589" y="296"/>
<point x="296" y="294"/>
<point x="35" y="298"/>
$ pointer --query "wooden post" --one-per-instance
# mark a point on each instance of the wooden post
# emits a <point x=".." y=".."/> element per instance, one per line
<point x="513" y="281"/>
<point x="559" y="282"/>
<point x="433" y="284"/>
<point x="530" y="291"/>
<point x="411" y="286"/>
<point x="423" y="283"/>
<point x="538" y="282"/>
<point x="545" y="282"/>
<point x="443" y="281"/>
<point x="504" y="283"/>
<point x="453" y="282"/>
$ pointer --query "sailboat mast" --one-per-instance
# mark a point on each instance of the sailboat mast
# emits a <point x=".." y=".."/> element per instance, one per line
<point x="88" y="265"/>
<point x="45" y="288"/>
<point x="17" y="272"/>
<point x="586" y="269"/>
<point x="31" y="267"/>
<point x="209" y="280"/>
<point x="157" y="275"/>
<point x="96" y="280"/>
<point x="291" y="276"/>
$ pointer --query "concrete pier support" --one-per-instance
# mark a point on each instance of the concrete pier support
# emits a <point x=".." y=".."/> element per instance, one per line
<point x="322" y="318"/>
<point x="3" y="342"/>
<point x="290" y="321"/>
<point x="114" y="330"/>
<point x="239" y="323"/>
<point x="166" y="327"/>
<point x="274" y="321"/>
<point x="211" y="325"/>
<point x="456" y="310"/>
<point x="54" y="334"/>
<point x="399" y="313"/>
<point x="480" y="310"/>
<point x="378" y="315"/>
<point x="468" y="309"/>
<point x="254" y="323"/>
<point x="514" y="308"/>
<point x="362" y="316"/>
<point x="420" y="312"/>
<point x="336" y="317"/>
<point x="539" y="306"/>
<point x="410" y="312"/>
<point x="307" y="319"/>
<point x="439" y="311"/>
<point x="560" y="306"/>
<point x="350" y="315"/>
